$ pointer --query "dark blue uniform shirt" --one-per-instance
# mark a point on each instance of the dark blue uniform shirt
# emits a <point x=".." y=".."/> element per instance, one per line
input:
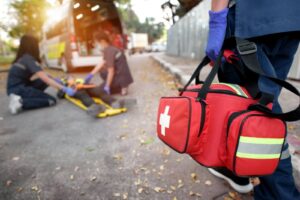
<point x="263" y="17"/>
<point x="21" y="71"/>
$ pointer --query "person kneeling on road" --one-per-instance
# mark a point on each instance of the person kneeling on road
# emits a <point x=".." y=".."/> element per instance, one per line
<point x="27" y="81"/>
<point x="114" y="70"/>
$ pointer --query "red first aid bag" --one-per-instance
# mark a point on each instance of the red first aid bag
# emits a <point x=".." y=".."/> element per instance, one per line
<point x="221" y="125"/>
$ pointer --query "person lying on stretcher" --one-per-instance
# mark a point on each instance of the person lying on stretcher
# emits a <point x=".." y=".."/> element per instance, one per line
<point x="85" y="92"/>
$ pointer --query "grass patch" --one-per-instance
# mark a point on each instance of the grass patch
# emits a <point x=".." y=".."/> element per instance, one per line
<point x="6" y="60"/>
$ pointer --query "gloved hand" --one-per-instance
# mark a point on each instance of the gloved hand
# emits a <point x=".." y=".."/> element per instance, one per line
<point x="216" y="34"/>
<point x="58" y="80"/>
<point x="69" y="91"/>
<point x="106" y="89"/>
<point x="88" y="78"/>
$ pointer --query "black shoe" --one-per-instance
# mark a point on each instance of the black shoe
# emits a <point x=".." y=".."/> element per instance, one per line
<point x="95" y="109"/>
<point x="124" y="103"/>
<point x="239" y="184"/>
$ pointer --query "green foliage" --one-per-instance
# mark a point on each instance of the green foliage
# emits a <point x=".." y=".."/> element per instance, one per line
<point x="5" y="60"/>
<point x="30" y="15"/>
<point x="133" y="24"/>
<point x="154" y="30"/>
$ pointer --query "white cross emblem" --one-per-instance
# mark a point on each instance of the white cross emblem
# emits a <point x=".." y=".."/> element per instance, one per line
<point x="164" y="120"/>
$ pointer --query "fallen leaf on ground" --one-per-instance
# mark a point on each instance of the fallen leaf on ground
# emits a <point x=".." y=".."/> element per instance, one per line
<point x="169" y="191"/>
<point x="234" y="196"/>
<point x="19" y="189"/>
<point x="117" y="194"/>
<point x="208" y="183"/>
<point x="166" y="151"/>
<point x="118" y="157"/>
<point x="140" y="190"/>
<point x="35" y="188"/>
<point x="180" y="185"/>
<point x="194" y="176"/>
<point x="16" y="158"/>
<point x="93" y="178"/>
<point x="122" y="137"/>
<point x="291" y="127"/>
<point x="72" y="177"/>
<point x="162" y="167"/>
<point x="125" y="196"/>
<point x="231" y="194"/>
<point x="192" y="193"/>
<point x="179" y="181"/>
<point x="173" y="187"/>
<point x="90" y="149"/>
<point x="159" y="189"/>
<point x="76" y="169"/>
<point x="150" y="140"/>
<point x="174" y="198"/>
<point x="58" y="168"/>
<point x="8" y="183"/>
<point x="138" y="182"/>
<point x="198" y="195"/>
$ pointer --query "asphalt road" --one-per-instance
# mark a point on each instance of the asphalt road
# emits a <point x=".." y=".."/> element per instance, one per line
<point x="61" y="153"/>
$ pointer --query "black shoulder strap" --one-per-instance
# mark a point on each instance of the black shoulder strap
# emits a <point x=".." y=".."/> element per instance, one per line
<point x="248" y="53"/>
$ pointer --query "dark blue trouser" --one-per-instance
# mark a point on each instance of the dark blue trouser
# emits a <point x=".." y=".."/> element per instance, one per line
<point x="275" y="54"/>
<point x="276" y="57"/>
<point x="32" y="95"/>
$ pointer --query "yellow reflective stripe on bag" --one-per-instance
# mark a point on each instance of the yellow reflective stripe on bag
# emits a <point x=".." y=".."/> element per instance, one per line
<point x="259" y="148"/>
<point x="256" y="140"/>
<point x="237" y="89"/>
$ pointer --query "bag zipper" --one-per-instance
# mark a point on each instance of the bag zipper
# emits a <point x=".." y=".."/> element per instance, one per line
<point x="232" y="117"/>
<point x="216" y="91"/>
<point x="203" y="116"/>
<point x="239" y="135"/>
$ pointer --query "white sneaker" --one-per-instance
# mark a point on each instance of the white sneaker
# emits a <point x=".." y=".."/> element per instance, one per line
<point x="239" y="184"/>
<point x="15" y="104"/>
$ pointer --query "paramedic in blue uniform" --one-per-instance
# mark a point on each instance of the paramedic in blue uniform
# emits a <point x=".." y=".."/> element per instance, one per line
<point x="27" y="81"/>
<point x="274" y="25"/>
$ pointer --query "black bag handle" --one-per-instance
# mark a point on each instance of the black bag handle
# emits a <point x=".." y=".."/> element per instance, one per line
<point x="196" y="73"/>
<point x="210" y="78"/>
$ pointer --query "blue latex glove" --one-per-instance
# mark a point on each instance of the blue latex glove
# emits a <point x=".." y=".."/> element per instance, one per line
<point x="58" y="80"/>
<point x="88" y="78"/>
<point x="216" y="34"/>
<point x="106" y="89"/>
<point x="69" y="91"/>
